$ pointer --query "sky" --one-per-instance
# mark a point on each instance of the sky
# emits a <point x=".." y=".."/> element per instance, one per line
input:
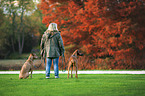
<point x="26" y="13"/>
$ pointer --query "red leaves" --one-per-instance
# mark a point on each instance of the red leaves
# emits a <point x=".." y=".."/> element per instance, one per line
<point x="100" y="27"/>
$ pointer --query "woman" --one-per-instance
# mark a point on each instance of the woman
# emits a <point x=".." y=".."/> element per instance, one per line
<point x="52" y="44"/>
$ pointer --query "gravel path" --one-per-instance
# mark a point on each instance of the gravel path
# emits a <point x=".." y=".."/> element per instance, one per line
<point x="81" y="72"/>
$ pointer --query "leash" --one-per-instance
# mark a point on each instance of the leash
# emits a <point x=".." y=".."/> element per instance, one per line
<point x="42" y="60"/>
<point x="63" y="59"/>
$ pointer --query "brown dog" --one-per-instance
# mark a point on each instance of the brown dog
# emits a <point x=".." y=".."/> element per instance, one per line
<point x="27" y="67"/>
<point x="73" y="61"/>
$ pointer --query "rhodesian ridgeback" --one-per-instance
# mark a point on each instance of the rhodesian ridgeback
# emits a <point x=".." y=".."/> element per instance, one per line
<point x="27" y="67"/>
<point x="73" y="61"/>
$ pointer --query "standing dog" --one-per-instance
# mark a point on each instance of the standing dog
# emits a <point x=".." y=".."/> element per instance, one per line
<point x="27" y="67"/>
<point x="73" y="61"/>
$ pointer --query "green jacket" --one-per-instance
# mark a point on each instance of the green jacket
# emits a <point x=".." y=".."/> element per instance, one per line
<point x="51" y="44"/>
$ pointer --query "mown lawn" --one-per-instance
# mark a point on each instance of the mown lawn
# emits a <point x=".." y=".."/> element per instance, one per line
<point x="86" y="85"/>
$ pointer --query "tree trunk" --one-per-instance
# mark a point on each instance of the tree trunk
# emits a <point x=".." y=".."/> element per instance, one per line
<point x="21" y="33"/>
<point x="14" y="28"/>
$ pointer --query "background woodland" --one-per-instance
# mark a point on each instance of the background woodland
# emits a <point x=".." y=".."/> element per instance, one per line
<point x="110" y="33"/>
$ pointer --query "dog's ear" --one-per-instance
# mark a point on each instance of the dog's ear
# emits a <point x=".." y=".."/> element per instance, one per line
<point x="79" y="53"/>
<point x="34" y="55"/>
<point x="31" y="56"/>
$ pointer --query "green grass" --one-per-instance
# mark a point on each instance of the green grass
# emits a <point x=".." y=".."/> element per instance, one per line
<point x="85" y="85"/>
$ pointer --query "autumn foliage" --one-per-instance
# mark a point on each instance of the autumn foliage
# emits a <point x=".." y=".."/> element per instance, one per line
<point x="110" y="32"/>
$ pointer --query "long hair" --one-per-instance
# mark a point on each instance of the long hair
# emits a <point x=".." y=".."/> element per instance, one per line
<point x="52" y="27"/>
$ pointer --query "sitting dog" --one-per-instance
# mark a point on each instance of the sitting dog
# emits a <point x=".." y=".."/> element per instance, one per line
<point x="27" y="67"/>
<point x="73" y="61"/>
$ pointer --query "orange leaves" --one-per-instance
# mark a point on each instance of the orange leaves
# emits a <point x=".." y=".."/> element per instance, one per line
<point x="112" y="29"/>
<point x="126" y="8"/>
<point x="141" y="46"/>
<point x="88" y="47"/>
<point x="92" y="28"/>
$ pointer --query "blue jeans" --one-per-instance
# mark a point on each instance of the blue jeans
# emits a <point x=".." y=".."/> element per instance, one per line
<point x="55" y="64"/>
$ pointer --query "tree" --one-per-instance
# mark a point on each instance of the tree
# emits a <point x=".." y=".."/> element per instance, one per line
<point x="15" y="10"/>
<point x="33" y="30"/>
<point x="20" y="26"/>
<point x="102" y="28"/>
<point x="4" y="45"/>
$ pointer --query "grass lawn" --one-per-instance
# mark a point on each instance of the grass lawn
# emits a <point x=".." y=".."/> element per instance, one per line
<point x="85" y="85"/>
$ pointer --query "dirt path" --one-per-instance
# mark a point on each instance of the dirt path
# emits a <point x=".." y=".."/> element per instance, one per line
<point x="81" y="72"/>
